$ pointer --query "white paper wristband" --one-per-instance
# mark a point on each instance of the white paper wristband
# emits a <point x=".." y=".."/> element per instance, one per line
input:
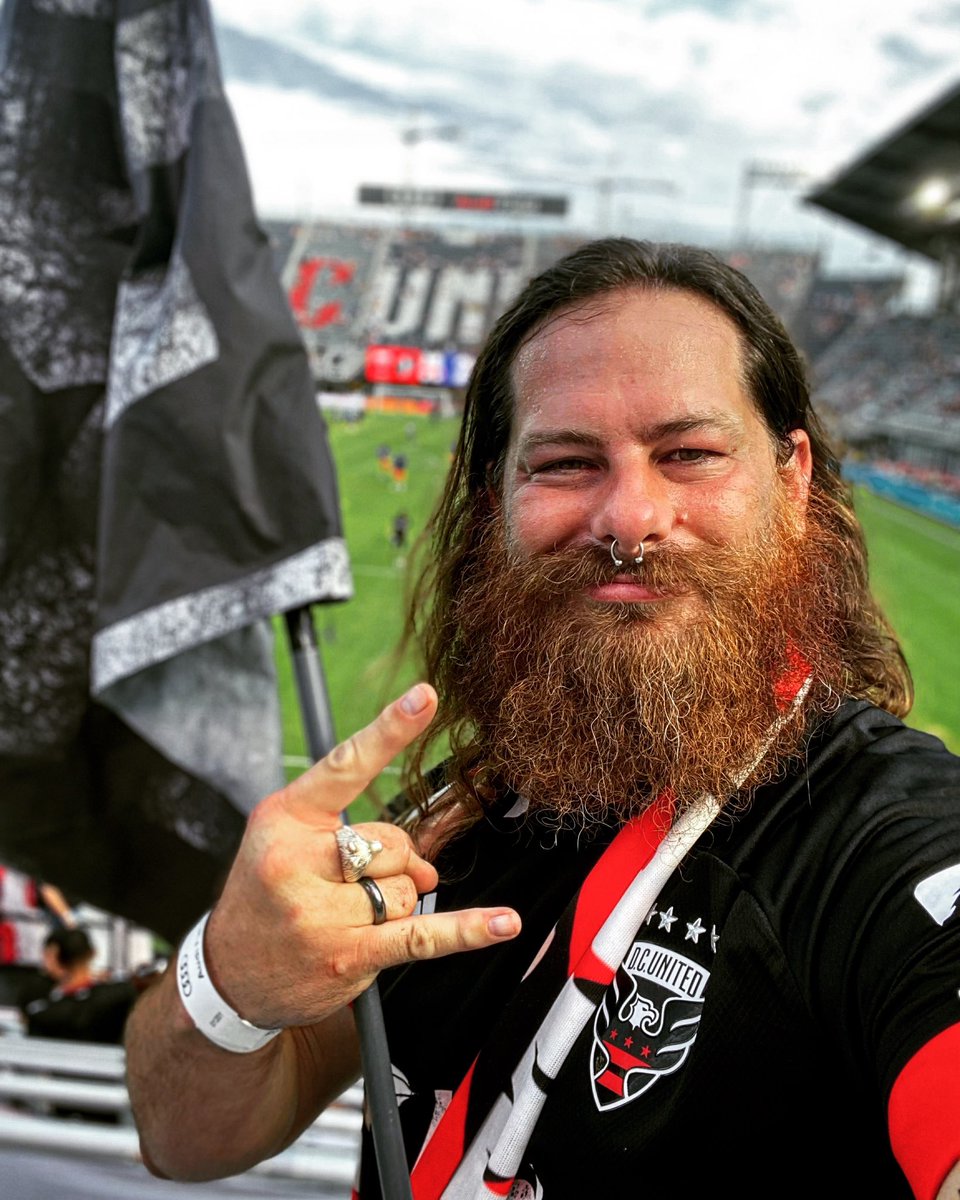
<point x="208" y="1010"/>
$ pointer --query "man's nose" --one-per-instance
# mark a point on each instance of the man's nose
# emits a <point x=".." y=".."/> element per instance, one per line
<point x="635" y="509"/>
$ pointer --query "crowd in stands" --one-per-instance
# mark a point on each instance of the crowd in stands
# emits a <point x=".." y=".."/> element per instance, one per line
<point x="893" y="364"/>
<point x="440" y="289"/>
<point x="836" y="304"/>
<point x="785" y="279"/>
<point x="350" y="286"/>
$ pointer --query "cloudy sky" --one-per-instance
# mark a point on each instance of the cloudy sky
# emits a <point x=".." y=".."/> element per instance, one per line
<point x="645" y="113"/>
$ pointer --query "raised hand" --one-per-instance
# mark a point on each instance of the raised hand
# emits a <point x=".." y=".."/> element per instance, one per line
<point x="290" y="941"/>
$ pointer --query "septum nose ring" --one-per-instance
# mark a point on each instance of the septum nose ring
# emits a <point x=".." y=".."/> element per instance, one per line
<point x="618" y="562"/>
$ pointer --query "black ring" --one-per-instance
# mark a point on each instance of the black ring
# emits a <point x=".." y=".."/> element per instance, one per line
<point x="376" y="899"/>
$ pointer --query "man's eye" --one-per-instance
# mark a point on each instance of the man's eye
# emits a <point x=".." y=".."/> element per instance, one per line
<point x="558" y="466"/>
<point x="691" y="454"/>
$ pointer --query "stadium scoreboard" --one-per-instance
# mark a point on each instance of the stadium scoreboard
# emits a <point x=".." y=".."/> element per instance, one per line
<point x="516" y="204"/>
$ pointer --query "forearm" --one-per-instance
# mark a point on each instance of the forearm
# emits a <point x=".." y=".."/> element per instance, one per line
<point x="203" y="1112"/>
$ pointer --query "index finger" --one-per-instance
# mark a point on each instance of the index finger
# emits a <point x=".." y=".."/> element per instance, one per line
<point x="333" y="783"/>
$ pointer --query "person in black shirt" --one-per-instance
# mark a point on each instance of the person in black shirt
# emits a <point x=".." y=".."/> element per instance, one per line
<point x="713" y="875"/>
<point x="81" y="1006"/>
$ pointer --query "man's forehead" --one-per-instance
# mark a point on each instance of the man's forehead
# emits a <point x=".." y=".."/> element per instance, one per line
<point x="637" y="322"/>
<point x="670" y="343"/>
<point x="642" y="307"/>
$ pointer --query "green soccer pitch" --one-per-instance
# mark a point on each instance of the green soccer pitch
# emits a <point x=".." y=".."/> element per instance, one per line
<point x="914" y="562"/>
<point x="357" y="638"/>
<point x="915" y="571"/>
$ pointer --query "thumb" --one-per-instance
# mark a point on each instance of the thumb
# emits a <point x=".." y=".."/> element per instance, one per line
<point x="437" y="934"/>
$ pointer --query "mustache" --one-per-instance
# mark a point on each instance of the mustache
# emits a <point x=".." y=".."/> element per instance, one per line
<point x="668" y="568"/>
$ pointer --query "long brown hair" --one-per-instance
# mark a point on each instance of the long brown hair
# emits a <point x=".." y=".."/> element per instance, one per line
<point x="774" y="376"/>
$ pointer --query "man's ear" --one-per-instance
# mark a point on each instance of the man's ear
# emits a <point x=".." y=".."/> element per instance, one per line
<point x="797" y="471"/>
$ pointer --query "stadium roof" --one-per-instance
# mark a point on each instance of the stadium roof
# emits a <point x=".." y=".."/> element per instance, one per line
<point x="907" y="187"/>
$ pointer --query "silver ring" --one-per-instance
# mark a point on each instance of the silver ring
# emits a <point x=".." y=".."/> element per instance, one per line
<point x="356" y="852"/>
<point x="618" y="562"/>
<point x="376" y="899"/>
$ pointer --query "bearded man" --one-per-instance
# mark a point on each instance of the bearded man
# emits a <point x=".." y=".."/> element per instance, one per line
<point x="711" y="874"/>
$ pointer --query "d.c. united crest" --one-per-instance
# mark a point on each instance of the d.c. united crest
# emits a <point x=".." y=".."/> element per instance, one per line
<point x="646" y="1023"/>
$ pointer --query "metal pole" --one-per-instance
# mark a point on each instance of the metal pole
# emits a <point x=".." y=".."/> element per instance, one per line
<point x="368" y="1014"/>
<point x="741" y="228"/>
<point x="311" y="684"/>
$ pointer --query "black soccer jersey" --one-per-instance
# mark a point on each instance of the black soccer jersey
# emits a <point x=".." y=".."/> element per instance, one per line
<point x="791" y="971"/>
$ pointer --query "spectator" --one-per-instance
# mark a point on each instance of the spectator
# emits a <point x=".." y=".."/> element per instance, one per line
<point x="82" y="1005"/>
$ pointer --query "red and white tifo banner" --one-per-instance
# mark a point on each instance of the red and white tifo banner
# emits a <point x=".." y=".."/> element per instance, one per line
<point x="393" y="364"/>
<point x="409" y="364"/>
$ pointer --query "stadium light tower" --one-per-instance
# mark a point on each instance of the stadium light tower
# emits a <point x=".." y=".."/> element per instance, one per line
<point x="752" y="175"/>
<point x="415" y="132"/>
<point x="606" y="185"/>
<point x="411" y="135"/>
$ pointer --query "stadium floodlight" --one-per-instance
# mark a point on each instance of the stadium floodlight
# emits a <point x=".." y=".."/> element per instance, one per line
<point x="774" y="173"/>
<point x="606" y="185"/>
<point x="752" y="175"/>
<point x="412" y="135"/>
<point x="932" y="196"/>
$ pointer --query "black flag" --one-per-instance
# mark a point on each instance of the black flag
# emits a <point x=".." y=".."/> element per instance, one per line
<point x="165" y="479"/>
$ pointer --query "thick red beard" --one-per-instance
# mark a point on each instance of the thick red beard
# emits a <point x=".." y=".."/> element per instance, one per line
<point x="590" y="710"/>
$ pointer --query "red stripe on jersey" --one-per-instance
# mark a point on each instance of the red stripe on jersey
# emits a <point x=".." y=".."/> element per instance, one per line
<point x="923" y="1114"/>
<point x="627" y="854"/>
<point x="499" y="1188"/>
<point x="443" y="1152"/>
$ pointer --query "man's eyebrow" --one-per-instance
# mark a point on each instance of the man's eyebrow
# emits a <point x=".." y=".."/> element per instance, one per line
<point x="559" y="437"/>
<point x="718" y="422"/>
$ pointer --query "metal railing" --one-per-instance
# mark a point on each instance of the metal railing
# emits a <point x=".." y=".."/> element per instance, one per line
<point x="41" y="1079"/>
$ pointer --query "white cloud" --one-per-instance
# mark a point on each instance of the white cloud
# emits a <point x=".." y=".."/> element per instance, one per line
<point x="593" y="87"/>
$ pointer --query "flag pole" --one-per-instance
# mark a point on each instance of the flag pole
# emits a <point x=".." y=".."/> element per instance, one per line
<point x="367" y="1012"/>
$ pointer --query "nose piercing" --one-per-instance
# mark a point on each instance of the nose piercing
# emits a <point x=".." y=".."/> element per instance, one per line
<point x="618" y="562"/>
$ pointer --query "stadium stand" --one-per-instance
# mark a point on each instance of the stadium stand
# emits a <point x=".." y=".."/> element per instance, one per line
<point x="887" y="382"/>
<point x="329" y="273"/>
<point x="836" y="303"/>
<point x="883" y="189"/>
<point x="281" y="235"/>
<point x="351" y="286"/>
<point x="783" y="277"/>
<point x="890" y="388"/>
<point x="547" y="249"/>
<point x="443" y="289"/>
